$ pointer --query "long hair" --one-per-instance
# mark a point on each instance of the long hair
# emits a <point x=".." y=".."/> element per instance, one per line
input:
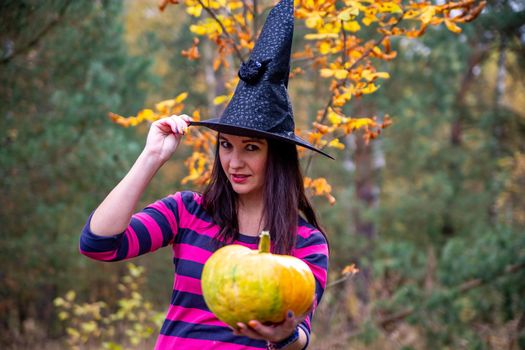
<point x="284" y="198"/>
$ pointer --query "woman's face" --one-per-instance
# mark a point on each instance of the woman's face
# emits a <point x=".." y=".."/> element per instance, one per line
<point x="243" y="160"/>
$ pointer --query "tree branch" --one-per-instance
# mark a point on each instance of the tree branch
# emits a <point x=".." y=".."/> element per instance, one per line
<point x="462" y="288"/>
<point x="39" y="36"/>
<point x="345" y="81"/>
<point x="216" y="19"/>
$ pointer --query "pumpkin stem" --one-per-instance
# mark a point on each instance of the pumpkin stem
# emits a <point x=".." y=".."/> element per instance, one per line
<point x="264" y="242"/>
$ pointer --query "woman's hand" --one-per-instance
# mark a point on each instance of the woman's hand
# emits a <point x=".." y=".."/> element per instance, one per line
<point x="164" y="136"/>
<point x="272" y="333"/>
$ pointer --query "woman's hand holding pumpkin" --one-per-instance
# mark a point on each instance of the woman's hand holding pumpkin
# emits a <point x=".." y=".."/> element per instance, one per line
<point x="274" y="333"/>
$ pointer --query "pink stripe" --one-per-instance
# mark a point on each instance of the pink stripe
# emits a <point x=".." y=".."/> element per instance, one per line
<point x="187" y="284"/>
<point x="197" y="198"/>
<point x="307" y="321"/>
<point x="252" y="246"/>
<point x="166" y="342"/>
<point x="153" y="228"/>
<point x="305" y="231"/>
<point x="319" y="273"/>
<point x="200" y="226"/>
<point x="167" y="213"/>
<point x="313" y="249"/>
<point x="192" y="253"/>
<point x="179" y="313"/>
<point x="101" y="256"/>
<point x="133" y="243"/>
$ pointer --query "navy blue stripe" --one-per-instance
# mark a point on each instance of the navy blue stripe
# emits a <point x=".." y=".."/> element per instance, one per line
<point x="172" y="205"/>
<point x="315" y="238"/>
<point x="188" y="300"/>
<point x="89" y="242"/>
<point x="162" y="221"/>
<point x="190" y="237"/>
<point x="142" y="234"/>
<point x="305" y="327"/>
<point x="319" y="260"/>
<point x="188" y="268"/>
<point x="195" y="208"/>
<point x="319" y="291"/>
<point x="122" y="251"/>
<point x="207" y="332"/>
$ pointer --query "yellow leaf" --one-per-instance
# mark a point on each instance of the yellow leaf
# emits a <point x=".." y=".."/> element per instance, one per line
<point x="221" y="99"/>
<point x="369" y="75"/>
<point x="412" y="13"/>
<point x="196" y="115"/>
<point x="350" y="270"/>
<point x="335" y="143"/>
<point x="71" y="295"/>
<point x="198" y="29"/>
<point x="321" y="36"/>
<point x="370" y="16"/>
<point x="389" y="7"/>
<point x="370" y="88"/>
<point x="348" y="14"/>
<point x="334" y="118"/>
<point x="234" y="5"/>
<point x="352" y="26"/>
<point x="164" y="106"/>
<point x="194" y="11"/>
<point x="314" y="21"/>
<point x="361" y="122"/>
<point x="146" y="114"/>
<point x="326" y="73"/>
<point x="427" y="14"/>
<point x="181" y="97"/>
<point x="341" y="74"/>
<point x="452" y="26"/>
<point x="325" y="48"/>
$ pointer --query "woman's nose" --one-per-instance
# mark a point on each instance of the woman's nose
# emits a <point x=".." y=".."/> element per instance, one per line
<point x="236" y="160"/>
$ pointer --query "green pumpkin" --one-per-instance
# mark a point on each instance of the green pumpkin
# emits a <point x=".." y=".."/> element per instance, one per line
<point x="240" y="284"/>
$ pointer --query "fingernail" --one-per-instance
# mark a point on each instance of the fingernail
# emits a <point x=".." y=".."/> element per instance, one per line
<point x="290" y="314"/>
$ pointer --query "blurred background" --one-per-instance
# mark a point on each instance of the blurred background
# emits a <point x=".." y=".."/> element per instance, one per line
<point x="432" y="212"/>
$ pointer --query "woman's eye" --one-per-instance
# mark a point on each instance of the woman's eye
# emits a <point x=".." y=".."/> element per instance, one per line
<point x="251" y="147"/>
<point x="224" y="144"/>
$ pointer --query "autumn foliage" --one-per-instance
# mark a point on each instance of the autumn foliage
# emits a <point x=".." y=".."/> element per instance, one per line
<point x="336" y="49"/>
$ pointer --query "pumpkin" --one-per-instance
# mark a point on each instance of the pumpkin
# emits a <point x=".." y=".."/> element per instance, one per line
<point x="240" y="284"/>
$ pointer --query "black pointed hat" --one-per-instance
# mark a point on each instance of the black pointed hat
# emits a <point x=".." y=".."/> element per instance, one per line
<point x="260" y="106"/>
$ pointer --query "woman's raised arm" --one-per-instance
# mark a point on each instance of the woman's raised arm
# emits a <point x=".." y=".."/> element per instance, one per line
<point x="114" y="213"/>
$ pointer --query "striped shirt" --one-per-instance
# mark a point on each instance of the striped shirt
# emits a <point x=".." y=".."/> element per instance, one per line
<point x="180" y="221"/>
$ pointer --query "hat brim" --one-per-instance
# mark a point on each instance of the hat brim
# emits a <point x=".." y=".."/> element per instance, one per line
<point x="216" y="125"/>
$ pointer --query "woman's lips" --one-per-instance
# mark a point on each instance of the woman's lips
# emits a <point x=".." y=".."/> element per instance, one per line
<point x="239" y="178"/>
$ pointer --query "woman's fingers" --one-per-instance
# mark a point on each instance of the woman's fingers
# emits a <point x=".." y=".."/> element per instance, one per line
<point x="248" y="332"/>
<point x="273" y="333"/>
<point x="174" y="124"/>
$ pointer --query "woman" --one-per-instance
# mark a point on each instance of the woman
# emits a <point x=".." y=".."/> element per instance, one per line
<point x="256" y="184"/>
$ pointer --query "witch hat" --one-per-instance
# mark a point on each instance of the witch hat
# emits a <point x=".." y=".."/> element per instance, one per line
<point x="260" y="106"/>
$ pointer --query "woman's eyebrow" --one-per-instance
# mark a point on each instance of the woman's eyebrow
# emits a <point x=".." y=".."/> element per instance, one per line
<point x="253" y="140"/>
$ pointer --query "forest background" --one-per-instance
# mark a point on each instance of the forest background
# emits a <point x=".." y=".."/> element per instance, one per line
<point x="430" y="210"/>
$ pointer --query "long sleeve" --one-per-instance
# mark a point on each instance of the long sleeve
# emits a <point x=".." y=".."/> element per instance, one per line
<point x="150" y="229"/>
<point x="312" y="248"/>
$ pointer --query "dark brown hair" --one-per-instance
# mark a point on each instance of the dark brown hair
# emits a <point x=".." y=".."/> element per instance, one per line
<point x="284" y="198"/>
